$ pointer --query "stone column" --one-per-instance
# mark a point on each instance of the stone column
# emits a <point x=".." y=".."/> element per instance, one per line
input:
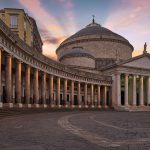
<point x="8" y="79"/>
<point x="141" y="91"/>
<point x="51" y="84"/>
<point x="36" y="87"/>
<point x="134" y="90"/>
<point x="148" y="91"/>
<point x="27" y="86"/>
<point x="58" y="92"/>
<point x="92" y="95"/>
<point x="1" y="103"/>
<point x="118" y="90"/>
<point x="110" y="96"/>
<point x="44" y="89"/>
<point x="98" y="96"/>
<point x="65" y="93"/>
<point x="126" y="89"/>
<point x="85" y="95"/>
<point x="72" y="93"/>
<point x="18" y="83"/>
<point x="105" y="96"/>
<point x="79" y="94"/>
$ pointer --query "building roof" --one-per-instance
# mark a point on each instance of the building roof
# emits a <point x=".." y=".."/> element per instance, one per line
<point x="126" y="61"/>
<point x="96" y="29"/>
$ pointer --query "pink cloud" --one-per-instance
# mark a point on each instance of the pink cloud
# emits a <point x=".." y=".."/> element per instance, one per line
<point x="48" y="22"/>
<point x="45" y="18"/>
<point x="131" y="21"/>
<point x="70" y="16"/>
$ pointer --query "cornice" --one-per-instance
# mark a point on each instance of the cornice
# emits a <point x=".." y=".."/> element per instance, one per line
<point x="76" y="55"/>
<point x="91" y="39"/>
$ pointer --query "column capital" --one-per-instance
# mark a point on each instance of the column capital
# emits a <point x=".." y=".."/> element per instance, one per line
<point x="28" y="66"/>
<point x="1" y="48"/>
<point x="126" y="74"/>
<point x="117" y="73"/>
<point x="19" y="61"/>
<point x="8" y="55"/>
<point x="134" y="75"/>
<point x="43" y="73"/>
<point x="85" y="83"/>
<point x="141" y="76"/>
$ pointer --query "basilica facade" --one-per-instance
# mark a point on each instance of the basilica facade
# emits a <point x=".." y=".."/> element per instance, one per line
<point x="95" y="69"/>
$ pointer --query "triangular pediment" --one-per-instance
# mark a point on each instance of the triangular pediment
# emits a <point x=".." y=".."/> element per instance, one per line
<point x="139" y="62"/>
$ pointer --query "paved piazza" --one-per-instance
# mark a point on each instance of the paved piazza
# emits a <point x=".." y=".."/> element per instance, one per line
<point x="91" y="130"/>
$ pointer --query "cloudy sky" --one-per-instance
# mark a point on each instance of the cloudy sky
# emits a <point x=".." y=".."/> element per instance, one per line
<point x="58" y="19"/>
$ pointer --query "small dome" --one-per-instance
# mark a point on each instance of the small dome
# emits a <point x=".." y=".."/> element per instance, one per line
<point x="76" y="52"/>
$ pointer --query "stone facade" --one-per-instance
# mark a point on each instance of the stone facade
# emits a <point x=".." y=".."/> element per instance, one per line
<point x="79" y="61"/>
<point x="101" y="49"/>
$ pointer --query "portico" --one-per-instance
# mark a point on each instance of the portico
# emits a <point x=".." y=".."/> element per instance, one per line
<point x="131" y="83"/>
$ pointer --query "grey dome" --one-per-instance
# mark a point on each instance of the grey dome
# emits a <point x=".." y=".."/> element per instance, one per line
<point x="95" y="29"/>
<point x="76" y="52"/>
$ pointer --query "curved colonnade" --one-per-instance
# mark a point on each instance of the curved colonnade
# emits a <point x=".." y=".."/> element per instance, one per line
<point x="28" y="78"/>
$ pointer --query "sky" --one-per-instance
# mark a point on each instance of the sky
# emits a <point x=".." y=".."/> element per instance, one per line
<point x="59" y="19"/>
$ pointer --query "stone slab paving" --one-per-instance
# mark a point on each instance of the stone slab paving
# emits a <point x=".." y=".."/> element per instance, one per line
<point x="88" y="130"/>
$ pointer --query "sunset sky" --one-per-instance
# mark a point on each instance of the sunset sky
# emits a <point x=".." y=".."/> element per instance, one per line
<point x="58" y="19"/>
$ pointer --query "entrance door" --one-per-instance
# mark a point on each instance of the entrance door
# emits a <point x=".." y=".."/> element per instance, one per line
<point x="75" y="100"/>
<point x="61" y="100"/>
<point x="122" y="97"/>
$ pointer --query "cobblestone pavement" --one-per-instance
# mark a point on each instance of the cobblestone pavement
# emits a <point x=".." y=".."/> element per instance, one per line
<point x="88" y="130"/>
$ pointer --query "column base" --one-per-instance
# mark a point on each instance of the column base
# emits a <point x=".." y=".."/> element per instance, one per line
<point x="99" y="106"/>
<point x="45" y="105"/>
<point x="79" y="106"/>
<point x="66" y="106"/>
<point x="59" y="106"/>
<point x="29" y="105"/>
<point x="105" y="106"/>
<point x="52" y="105"/>
<point x="86" y="106"/>
<point x="92" y="106"/>
<point x="10" y="105"/>
<point x="126" y="105"/>
<point x="72" y="106"/>
<point x="1" y="105"/>
<point x="37" y="105"/>
<point x="20" y="105"/>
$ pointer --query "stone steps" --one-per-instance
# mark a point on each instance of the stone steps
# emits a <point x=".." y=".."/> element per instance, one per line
<point x="8" y="112"/>
<point x="133" y="108"/>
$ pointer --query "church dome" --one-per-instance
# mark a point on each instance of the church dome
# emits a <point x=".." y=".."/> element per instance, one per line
<point x="98" y="42"/>
<point x="76" y="52"/>
<point x="95" y="29"/>
<point x="78" y="56"/>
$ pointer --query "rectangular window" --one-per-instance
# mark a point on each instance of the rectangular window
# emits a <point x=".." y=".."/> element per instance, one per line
<point x="13" y="21"/>
<point x="25" y="25"/>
